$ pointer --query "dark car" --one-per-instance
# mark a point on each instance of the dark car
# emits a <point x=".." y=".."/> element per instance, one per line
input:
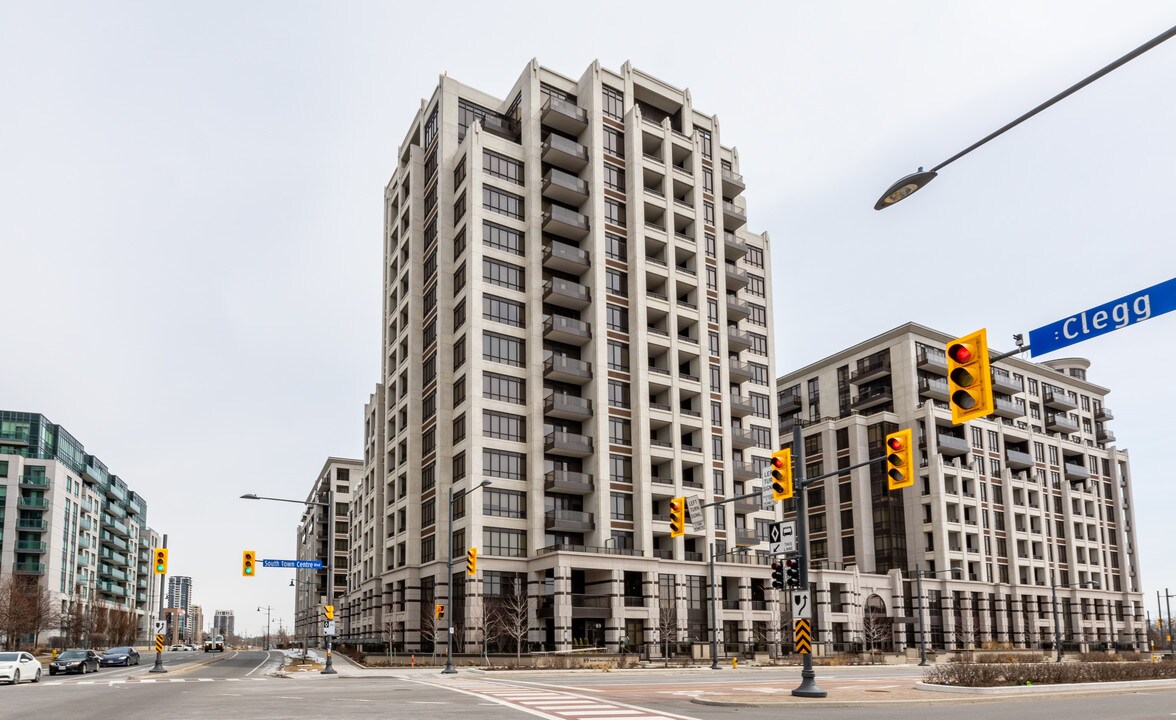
<point x="119" y="656"/>
<point x="75" y="661"/>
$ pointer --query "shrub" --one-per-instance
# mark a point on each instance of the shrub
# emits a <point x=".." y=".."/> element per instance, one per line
<point x="1011" y="674"/>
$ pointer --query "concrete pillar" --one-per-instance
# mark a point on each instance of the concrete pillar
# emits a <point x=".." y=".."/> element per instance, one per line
<point x="563" y="607"/>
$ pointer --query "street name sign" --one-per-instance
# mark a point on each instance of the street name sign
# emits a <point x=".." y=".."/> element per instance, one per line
<point x="1127" y="310"/>
<point x="297" y="564"/>
<point x="782" y="537"/>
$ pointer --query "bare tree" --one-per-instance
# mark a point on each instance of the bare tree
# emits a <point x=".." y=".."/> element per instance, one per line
<point x="388" y="635"/>
<point x="964" y="634"/>
<point x="876" y="627"/>
<point x="780" y="626"/>
<point x="429" y="628"/>
<point x="9" y="611"/>
<point x="510" y="617"/>
<point x="667" y="626"/>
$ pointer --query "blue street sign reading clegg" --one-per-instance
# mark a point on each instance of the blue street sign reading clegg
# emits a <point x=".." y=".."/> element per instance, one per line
<point x="296" y="564"/>
<point x="1127" y="310"/>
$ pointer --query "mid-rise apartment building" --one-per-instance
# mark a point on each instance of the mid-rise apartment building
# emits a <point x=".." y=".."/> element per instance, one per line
<point x="576" y="312"/>
<point x="364" y="612"/>
<point x="322" y="535"/>
<point x="74" y="529"/>
<point x="1006" y="510"/>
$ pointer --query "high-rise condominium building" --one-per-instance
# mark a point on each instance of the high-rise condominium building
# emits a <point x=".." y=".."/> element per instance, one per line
<point x="224" y="623"/>
<point x="75" y="531"/>
<point x="322" y="535"/>
<point x="576" y="312"/>
<point x="1006" y="511"/>
<point x="179" y="599"/>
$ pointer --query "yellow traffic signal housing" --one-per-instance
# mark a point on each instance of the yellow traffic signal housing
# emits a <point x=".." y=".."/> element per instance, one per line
<point x="969" y="379"/>
<point x="472" y="561"/>
<point x="329" y="612"/>
<point x="160" y="567"/>
<point x="782" y="475"/>
<point x="899" y="463"/>
<point x="677" y="517"/>
<point x="438" y="612"/>
<point x="248" y="563"/>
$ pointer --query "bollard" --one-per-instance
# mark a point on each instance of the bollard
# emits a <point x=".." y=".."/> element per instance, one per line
<point x="734" y="663"/>
<point x="414" y="661"/>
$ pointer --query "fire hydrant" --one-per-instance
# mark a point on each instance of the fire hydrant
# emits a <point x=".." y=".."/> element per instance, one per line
<point x="734" y="663"/>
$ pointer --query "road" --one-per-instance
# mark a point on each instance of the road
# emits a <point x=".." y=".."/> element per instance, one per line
<point x="243" y="685"/>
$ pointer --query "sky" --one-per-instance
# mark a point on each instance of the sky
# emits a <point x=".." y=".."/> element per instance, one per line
<point x="190" y="240"/>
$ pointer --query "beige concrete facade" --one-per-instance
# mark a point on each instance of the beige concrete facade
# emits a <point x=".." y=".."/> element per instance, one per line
<point x="322" y="531"/>
<point x="1004" y="508"/>
<point x="574" y="310"/>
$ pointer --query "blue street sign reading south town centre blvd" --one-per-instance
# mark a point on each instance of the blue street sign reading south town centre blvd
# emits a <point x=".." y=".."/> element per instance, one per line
<point x="296" y="564"/>
<point x="1127" y="310"/>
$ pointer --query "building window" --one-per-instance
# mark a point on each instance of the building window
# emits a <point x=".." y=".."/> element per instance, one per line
<point x="754" y="256"/>
<point x="504" y="388"/>
<point x="618" y="394"/>
<point x="504" y="503"/>
<point x="501" y="541"/>
<point x="459" y="315"/>
<point x="502" y="238"/>
<point x="428" y="513"/>
<point x="459" y="172"/>
<point x="500" y="166"/>
<point x="431" y="127"/>
<point x="504" y="464"/>
<point x="428" y="478"/>
<point x="711" y="246"/>
<point x="615" y="247"/>
<point x="614" y="212"/>
<point x="708" y="180"/>
<point x="502" y="202"/>
<point x="619" y="431"/>
<point x="616" y="282"/>
<point x="612" y="103"/>
<point x="459" y="431"/>
<point x="617" y="318"/>
<point x="620" y="506"/>
<point x="614" y="142"/>
<point x="503" y="274"/>
<point x="708" y="212"/>
<point x="618" y="356"/>
<point x="459" y="352"/>
<point x="428" y="549"/>
<point x="705" y="143"/>
<point x="503" y="349"/>
<point x="614" y="177"/>
<point x="504" y="426"/>
<point x="508" y="312"/>
<point x="620" y="469"/>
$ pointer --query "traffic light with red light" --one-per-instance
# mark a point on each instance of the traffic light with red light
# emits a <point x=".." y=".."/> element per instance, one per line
<point x="792" y="572"/>
<point x="248" y="563"/>
<point x="677" y="517"/>
<point x="899" y="466"/>
<point x="472" y="561"/>
<point x="782" y="475"/>
<point x="969" y="379"/>
<point x="778" y="575"/>
<point x="160" y="566"/>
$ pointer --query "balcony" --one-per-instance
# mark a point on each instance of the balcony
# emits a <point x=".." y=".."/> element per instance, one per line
<point x="740" y="405"/>
<point x="112" y="589"/>
<point x="933" y="387"/>
<point x="737" y="309"/>
<point x="32" y="525"/>
<point x="566" y="330"/>
<point x="567" y="407"/>
<point x="736" y="277"/>
<point x="565" y="223"/>
<point x="563" y="153"/>
<point x="571" y="483"/>
<point x="1103" y="414"/>
<point x="1006" y="408"/>
<point x="503" y="127"/>
<point x="1018" y="460"/>
<point x="741" y="438"/>
<point x="738" y="339"/>
<point x="567" y="444"/>
<point x="744" y="471"/>
<point x="1105" y="436"/>
<point x="870" y="370"/>
<point x="567" y="370"/>
<point x="591" y="606"/>
<point x="951" y="445"/>
<point x="872" y="397"/>
<point x="745" y="537"/>
<point x="18" y="438"/>
<point x="564" y="116"/>
<point x="932" y="360"/>
<point x="789" y="401"/>
<point x="564" y="187"/>
<point x="740" y="371"/>
<point x="568" y="521"/>
<point x="732" y="183"/>
<point x="734" y="215"/>
<point x="1060" y="422"/>
<point x="733" y="247"/>
<point x="1058" y="400"/>
<point x="115" y="526"/>
<point x="36" y="482"/>
<point x="1004" y="383"/>
<point x="32" y="503"/>
<point x="566" y="258"/>
<point x="747" y="505"/>
<point x="30" y="546"/>
<point x="29" y="568"/>
<point x="1075" y="473"/>
<point x="566" y="293"/>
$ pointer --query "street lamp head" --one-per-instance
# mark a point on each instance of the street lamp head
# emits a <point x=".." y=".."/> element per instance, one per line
<point x="484" y="483"/>
<point x="291" y="582"/>
<point x="904" y="187"/>
<point x="250" y="496"/>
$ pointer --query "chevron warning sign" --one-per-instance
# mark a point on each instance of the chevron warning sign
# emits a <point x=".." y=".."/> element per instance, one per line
<point x="803" y="637"/>
<point x="158" y="643"/>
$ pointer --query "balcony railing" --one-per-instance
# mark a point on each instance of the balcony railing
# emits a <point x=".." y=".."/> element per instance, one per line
<point x="34" y="481"/>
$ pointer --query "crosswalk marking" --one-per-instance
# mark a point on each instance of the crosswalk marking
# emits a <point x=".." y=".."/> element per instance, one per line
<point x="551" y="704"/>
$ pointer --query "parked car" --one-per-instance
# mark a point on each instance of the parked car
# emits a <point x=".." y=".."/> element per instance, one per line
<point x="177" y="648"/>
<point x="75" y="661"/>
<point x="123" y="655"/>
<point x="17" y="666"/>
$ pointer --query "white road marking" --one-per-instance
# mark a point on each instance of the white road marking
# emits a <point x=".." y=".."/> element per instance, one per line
<point x="263" y="662"/>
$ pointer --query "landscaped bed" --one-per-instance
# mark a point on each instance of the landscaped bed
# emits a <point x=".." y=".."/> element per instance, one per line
<point x="1045" y="673"/>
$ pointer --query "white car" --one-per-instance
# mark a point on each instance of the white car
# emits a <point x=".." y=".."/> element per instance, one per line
<point x="17" y="666"/>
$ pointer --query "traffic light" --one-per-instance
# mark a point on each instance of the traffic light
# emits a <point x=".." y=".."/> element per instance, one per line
<point x="782" y="475"/>
<point x="792" y="572"/>
<point x="248" y="561"/>
<point x="472" y="561"/>
<point x="899" y="468"/>
<point x="160" y="567"/>
<point x="438" y="612"/>
<point x="778" y="575"/>
<point x="329" y="612"/>
<point x="677" y="517"/>
<point x="969" y="380"/>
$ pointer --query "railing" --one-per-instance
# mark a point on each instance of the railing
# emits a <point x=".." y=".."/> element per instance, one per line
<point x="562" y="144"/>
<point x="39" y="481"/>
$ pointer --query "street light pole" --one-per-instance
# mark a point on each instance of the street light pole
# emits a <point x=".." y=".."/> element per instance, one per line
<point x="159" y="668"/>
<point x="449" y="669"/>
<point x="808" y="682"/>
<point x="268" y="610"/>
<point x="922" y="608"/>
<point x="714" y="643"/>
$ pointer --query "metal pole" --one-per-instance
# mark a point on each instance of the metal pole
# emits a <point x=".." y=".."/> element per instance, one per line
<point x="449" y="669"/>
<point x="922" y="608"/>
<point x="714" y="613"/>
<point x="327" y="669"/>
<point x="808" y="683"/>
<point x="159" y="668"/>
<point x="1168" y="603"/>
<point x="1053" y="586"/>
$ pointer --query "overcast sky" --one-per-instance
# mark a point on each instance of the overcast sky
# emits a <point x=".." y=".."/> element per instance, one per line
<point x="190" y="240"/>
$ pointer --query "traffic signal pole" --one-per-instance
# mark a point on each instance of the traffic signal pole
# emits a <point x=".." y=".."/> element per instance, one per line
<point x="159" y="668"/>
<point x="808" y="682"/>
